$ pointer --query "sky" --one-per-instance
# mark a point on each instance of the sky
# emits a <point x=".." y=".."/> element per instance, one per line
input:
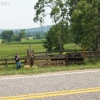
<point x="19" y="14"/>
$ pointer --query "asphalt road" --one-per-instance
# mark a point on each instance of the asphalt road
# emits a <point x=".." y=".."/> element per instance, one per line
<point x="67" y="85"/>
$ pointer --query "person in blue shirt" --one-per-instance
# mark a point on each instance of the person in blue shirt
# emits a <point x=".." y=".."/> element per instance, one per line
<point x="17" y="59"/>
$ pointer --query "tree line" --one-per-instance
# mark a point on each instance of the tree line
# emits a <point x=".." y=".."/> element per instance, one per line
<point x="10" y="36"/>
<point x="75" y="21"/>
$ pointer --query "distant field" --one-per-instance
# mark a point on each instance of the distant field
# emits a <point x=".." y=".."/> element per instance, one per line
<point x="21" y="47"/>
<point x="29" y="41"/>
<point x="72" y="46"/>
<point x="11" y="49"/>
<point x="33" y="40"/>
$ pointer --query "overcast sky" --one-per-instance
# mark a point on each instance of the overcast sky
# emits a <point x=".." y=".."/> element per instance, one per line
<point x="18" y="14"/>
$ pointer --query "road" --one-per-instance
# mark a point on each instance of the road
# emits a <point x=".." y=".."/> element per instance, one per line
<point x="66" y="85"/>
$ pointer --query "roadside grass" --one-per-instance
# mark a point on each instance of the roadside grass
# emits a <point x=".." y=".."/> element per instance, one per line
<point x="11" y="70"/>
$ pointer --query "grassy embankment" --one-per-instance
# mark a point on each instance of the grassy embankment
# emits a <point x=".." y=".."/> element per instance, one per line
<point x="11" y="49"/>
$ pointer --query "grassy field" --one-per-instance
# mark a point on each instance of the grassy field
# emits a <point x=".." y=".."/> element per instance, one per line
<point x="36" y="44"/>
<point x="12" y="48"/>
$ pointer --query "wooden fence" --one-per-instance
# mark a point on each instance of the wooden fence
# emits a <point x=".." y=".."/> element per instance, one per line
<point x="51" y="58"/>
<point x="42" y="58"/>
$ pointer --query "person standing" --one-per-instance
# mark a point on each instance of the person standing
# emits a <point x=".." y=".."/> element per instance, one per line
<point x="17" y="59"/>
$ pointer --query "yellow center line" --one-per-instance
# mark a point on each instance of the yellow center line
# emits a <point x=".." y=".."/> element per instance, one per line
<point x="51" y="94"/>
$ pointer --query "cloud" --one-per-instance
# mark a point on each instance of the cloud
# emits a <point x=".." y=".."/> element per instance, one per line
<point x="6" y="16"/>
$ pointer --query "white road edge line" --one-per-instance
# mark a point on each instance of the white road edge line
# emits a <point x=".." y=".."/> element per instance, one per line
<point x="49" y="74"/>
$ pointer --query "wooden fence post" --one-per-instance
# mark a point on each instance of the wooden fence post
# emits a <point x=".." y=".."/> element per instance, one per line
<point x="46" y="57"/>
<point x="66" y="58"/>
<point x="27" y="52"/>
<point x="75" y="51"/>
<point x="83" y="52"/>
<point x="32" y="58"/>
<point x="3" y="62"/>
<point x="6" y="62"/>
<point x="90" y="55"/>
<point x="28" y="57"/>
<point x="25" y="60"/>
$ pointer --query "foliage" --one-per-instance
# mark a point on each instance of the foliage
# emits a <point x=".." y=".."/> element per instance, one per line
<point x="38" y="36"/>
<point x="58" y="10"/>
<point x="56" y="37"/>
<point x="85" y="23"/>
<point x="7" y="35"/>
<point x="72" y="5"/>
<point x="21" y="34"/>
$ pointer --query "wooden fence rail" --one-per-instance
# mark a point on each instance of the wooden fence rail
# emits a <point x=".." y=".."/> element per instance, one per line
<point x="45" y="58"/>
<point x="9" y="61"/>
<point x="41" y="60"/>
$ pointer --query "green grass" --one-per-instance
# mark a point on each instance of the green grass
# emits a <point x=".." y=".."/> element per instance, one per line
<point x="72" y="46"/>
<point x="36" y="44"/>
<point x="11" y="49"/>
<point x="11" y="70"/>
<point x="21" y="47"/>
<point x="29" y="41"/>
<point x="33" y="40"/>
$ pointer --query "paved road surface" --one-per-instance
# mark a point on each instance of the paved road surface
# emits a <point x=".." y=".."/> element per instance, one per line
<point x="67" y="85"/>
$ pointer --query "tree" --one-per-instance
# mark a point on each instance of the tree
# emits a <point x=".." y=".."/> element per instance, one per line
<point x="16" y="38"/>
<point x="38" y="36"/>
<point x="85" y="23"/>
<point x="58" y="10"/>
<point x="58" y="13"/>
<point x="7" y="35"/>
<point x="56" y="36"/>
<point x="47" y="43"/>
<point x="21" y="34"/>
<point x="72" y="5"/>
